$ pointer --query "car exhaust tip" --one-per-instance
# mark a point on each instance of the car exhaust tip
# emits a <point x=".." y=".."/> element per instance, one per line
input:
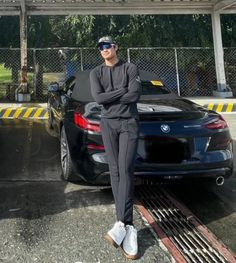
<point x="220" y="180"/>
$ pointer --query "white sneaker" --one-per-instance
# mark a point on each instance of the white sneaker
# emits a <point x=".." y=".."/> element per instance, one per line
<point x="117" y="234"/>
<point x="130" y="243"/>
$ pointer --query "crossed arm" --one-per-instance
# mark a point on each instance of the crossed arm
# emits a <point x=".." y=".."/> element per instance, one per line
<point x="98" y="93"/>
<point x="125" y="95"/>
<point x="134" y="87"/>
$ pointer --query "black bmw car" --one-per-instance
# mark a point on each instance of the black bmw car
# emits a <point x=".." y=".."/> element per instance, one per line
<point x="178" y="139"/>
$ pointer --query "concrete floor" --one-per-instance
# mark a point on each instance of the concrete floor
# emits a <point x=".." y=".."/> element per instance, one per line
<point x="44" y="219"/>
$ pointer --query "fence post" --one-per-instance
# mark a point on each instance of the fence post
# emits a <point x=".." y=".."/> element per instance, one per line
<point x="81" y="60"/>
<point x="38" y="75"/>
<point x="177" y="71"/>
<point x="22" y="93"/>
<point x="128" y="55"/>
<point x="35" y="73"/>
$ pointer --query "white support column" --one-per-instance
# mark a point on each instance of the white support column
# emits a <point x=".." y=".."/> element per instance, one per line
<point x="222" y="89"/>
<point x="23" y="39"/>
<point x="23" y="91"/>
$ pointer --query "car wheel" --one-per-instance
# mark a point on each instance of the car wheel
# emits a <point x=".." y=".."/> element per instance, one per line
<point x="66" y="162"/>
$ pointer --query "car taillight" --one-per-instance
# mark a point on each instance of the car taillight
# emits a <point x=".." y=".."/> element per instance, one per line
<point x="96" y="147"/>
<point x="219" y="142"/>
<point x="223" y="144"/>
<point x="219" y="123"/>
<point x="85" y="124"/>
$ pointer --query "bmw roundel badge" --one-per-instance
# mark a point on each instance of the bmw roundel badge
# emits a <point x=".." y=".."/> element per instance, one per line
<point x="165" y="128"/>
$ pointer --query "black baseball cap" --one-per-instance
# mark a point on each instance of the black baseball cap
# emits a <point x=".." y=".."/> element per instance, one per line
<point x="105" y="40"/>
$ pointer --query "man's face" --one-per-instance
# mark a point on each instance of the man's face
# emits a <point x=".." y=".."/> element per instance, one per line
<point x="108" y="51"/>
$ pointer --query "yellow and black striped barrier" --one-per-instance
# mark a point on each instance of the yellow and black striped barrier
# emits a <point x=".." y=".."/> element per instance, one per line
<point x="24" y="113"/>
<point x="221" y="107"/>
<point x="42" y="112"/>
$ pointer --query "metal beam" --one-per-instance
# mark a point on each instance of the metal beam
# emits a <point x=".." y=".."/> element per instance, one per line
<point x="120" y="8"/>
<point x="127" y="11"/>
<point x="9" y="13"/>
<point x="224" y="4"/>
<point x="116" y="7"/>
<point x="119" y="11"/>
<point x="23" y="8"/>
<point x="9" y="10"/>
<point x="228" y="11"/>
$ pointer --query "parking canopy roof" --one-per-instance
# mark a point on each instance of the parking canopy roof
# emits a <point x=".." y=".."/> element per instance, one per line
<point x="116" y="7"/>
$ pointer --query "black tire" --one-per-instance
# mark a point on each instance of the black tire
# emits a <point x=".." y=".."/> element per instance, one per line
<point x="66" y="162"/>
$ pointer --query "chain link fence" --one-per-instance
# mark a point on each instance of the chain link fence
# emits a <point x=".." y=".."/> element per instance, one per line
<point x="230" y="68"/>
<point x="187" y="71"/>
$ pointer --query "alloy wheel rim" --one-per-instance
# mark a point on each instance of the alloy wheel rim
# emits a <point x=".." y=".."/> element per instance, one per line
<point x="63" y="153"/>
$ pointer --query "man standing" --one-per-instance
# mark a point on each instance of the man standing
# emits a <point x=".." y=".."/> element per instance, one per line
<point x="116" y="85"/>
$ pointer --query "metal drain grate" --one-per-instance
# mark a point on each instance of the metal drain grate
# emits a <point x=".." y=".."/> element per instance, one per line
<point x="191" y="243"/>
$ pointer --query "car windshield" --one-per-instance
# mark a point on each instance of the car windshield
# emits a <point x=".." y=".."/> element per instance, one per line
<point x="151" y="89"/>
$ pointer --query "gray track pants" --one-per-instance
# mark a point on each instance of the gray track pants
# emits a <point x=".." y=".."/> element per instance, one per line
<point x="120" y="138"/>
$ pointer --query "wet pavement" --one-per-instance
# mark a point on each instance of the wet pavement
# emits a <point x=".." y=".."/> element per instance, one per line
<point x="28" y="152"/>
<point x="45" y="219"/>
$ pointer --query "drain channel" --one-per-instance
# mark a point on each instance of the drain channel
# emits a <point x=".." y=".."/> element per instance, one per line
<point x="192" y="244"/>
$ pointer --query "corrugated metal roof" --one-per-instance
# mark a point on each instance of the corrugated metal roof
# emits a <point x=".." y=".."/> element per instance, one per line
<point x="47" y="7"/>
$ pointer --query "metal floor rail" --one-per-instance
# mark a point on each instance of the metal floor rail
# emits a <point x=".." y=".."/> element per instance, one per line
<point x="194" y="247"/>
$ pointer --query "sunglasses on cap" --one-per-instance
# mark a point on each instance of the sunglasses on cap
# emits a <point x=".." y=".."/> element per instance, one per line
<point x="105" y="46"/>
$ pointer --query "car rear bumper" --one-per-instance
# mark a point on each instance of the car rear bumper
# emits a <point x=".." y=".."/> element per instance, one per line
<point x="96" y="170"/>
<point x="225" y="172"/>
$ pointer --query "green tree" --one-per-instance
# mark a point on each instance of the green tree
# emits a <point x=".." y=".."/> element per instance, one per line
<point x="71" y="31"/>
<point x="135" y="30"/>
<point x="228" y="30"/>
<point x="9" y="31"/>
<point x="39" y="31"/>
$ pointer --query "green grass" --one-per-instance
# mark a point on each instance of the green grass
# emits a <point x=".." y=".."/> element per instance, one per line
<point x="5" y="75"/>
<point x="6" y="78"/>
<point x="51" y="77"/>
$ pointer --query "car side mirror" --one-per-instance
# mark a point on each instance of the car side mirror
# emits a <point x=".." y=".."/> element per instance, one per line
<point x="53" y="87"/>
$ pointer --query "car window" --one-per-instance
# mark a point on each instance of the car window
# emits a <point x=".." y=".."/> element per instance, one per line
<point x="151" y="89"/>
<point x="82" y="90"/>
